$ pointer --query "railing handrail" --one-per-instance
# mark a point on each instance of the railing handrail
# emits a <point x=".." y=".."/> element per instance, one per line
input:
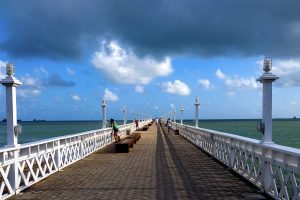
<point x="53" y="139"/>
<point x="284" y="149"/>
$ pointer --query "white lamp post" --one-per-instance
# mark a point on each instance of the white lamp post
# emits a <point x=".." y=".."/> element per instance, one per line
<point x="133" y="116"/>
<point x="181" y="118"/>
<point x="124" y="115"/>
<point x="10" y="82"/>
<point x="174" y="113"/>
<point x="196" y="111"/>
<point x="103" y="105"/>
<point x="266" y="79"/>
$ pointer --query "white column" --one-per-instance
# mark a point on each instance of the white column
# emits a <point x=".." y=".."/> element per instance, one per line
<point x="10" y="82"/>
<point x="103" y="113"/>
<point x="133" y="116"/>
<point x="124" y="114"/>
<point x="181" y="118"/>
<point x="174" y="116"/>
<point x="266" y="79"/>
<point x="196" y="111"/>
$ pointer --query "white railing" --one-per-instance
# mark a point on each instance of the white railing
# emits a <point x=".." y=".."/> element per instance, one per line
<point x="29" y="163"/>
<point x="273" y="168"/>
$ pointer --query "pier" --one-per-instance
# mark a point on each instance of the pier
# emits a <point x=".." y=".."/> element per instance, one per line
<point x="161" y="165"/>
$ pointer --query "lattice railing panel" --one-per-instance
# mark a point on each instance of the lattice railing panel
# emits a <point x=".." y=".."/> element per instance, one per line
<point x="273" y="168"/>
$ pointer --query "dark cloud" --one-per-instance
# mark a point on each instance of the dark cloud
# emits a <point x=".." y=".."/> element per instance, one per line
<point x="54" y="80"/>
<point x="62" y="29"/>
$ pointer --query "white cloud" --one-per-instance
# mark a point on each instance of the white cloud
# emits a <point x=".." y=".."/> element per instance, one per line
<point x="110" y="96"/>
<point x="231" y="93"/>
<point x="177" y="87"/>
<point x="2" y="69"/>
<point x="70" y="71"/>
<point x="139" y="89"/>
<point x="76" y="97"/>
<point x="293" y="103"/>
<point x="28" y="92"/>
<point x="288" y="72"/>
<point x="237" y="82"/>
<point x="205" y="84"/>
<point x="172" y="106"/>
<point x="156" y="107"/>
<point x="31" y="87"/>
<point x="123" y="66"/>
<point x="29" y="81"/>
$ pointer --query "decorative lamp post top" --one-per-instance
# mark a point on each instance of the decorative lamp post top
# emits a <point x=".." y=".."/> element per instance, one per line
<point x="197" y="102"/>
<point x="267" y="67"/>
<point x="10" y="80"/>
<point x="10" y="69"/>
<point x="103" y="103"/>
<point x="124" y="109"/>
<point x="181" y="109"/>
<point x="267" y="76"/>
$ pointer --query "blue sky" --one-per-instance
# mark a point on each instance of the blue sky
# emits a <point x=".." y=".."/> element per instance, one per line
<point x="68" y="63"/>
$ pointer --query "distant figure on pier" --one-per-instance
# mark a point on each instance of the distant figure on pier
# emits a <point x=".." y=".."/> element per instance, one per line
<point x="156" y="121"/>
<point x="115" y="129"/>
<point x="169" y="124"/>
<point x="136" y="124"/>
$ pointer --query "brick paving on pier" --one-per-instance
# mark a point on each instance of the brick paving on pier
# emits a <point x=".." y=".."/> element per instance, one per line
<point x="159" y="166"/>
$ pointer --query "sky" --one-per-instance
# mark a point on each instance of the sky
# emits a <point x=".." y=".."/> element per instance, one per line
<point x="151" y="56"/>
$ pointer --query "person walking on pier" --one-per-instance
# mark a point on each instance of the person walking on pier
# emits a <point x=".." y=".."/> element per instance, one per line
<point x="136" y="124"/>
<point x="115" y="129"/>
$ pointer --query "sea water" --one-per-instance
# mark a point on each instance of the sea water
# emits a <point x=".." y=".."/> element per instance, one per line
<point x="285" y="132"/>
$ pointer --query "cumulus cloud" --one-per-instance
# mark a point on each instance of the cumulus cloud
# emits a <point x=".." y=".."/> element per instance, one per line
<point x="31" y="86"/>
<point x="110" y="96"/>
<point x="76" y="97"/>
<point x="139" y="89"/>
<point x="205" y="84"/>
<point x="123" y="66"/>
<point x="177" y="87"/>
<point x="153" y="27"/>
<point x="29" y="92"/>
<point x="2" y="69"/>
<point x="236" y="82"/>
<point x="288" y="72"/>
<point x="156" y="107"/>
<point x="70" y="71"/>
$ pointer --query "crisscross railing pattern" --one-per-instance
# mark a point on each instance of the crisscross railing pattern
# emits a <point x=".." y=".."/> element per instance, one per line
<point x="26" y="164"/>
<point x="273" y="168"/>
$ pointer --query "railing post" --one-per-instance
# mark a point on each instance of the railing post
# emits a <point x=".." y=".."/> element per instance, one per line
<point x="266" y="79"/>
<point x="10" y="82"/>
<point x="232" y="154"/>
<point x="103" y="105"/>
<point x="196" y="111"/>
<point x="181" y="118"/>
<point x="124" y="115"/>
<point x="265" y="170"/>
<point x="58" y="155"/>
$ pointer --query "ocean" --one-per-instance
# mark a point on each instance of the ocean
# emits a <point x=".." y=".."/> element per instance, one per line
<point x="285" y="132"/>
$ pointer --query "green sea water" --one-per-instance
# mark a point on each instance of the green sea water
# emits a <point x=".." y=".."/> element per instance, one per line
<point x="34" y="131"/>
<point x="285" y="132"/>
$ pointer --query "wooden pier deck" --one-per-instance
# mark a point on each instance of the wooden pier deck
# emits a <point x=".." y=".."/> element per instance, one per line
<point x="160" y="166"/>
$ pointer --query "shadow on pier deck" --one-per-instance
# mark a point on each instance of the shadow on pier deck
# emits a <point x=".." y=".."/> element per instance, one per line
<point x="160" y="166"/>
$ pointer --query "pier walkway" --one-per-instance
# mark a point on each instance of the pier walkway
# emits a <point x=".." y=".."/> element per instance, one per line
<point x="159" y="166"/>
